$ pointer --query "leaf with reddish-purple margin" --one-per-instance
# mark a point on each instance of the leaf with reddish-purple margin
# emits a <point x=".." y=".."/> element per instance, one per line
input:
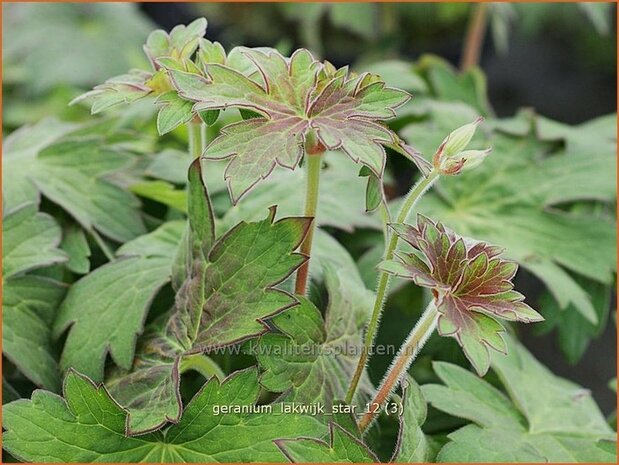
<point x="293" y="96"/>
<point x="471" y="283"/>
<point x="227" y="292"/>
<point x="342" y="447"/>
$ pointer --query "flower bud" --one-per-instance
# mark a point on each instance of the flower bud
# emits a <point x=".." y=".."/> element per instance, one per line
<point x="451" y="158"/>
<point x="458" y="139"/>
<point x="463" y="161"/>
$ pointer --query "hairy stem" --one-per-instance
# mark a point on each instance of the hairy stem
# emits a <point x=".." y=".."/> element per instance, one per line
<point x="194" y="130"/>
<point x="474" y="36"/>
<point x="313" y="158"/>
<point x="203" y="365"/>
<point x="407" y="353"/>
<point x="383" y="279"/>
<point x="385" y="216"/>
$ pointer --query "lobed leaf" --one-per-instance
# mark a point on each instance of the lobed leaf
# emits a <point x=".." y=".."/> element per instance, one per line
<point x="313" y="360"/>
<point x="105" y="310"/>
<point x="29" y="303"/>
<point x="517" y="198"/>
<point x="89" y="426"/>
<point x="70" y="170"/>
<point x="177" y="47"/>
<point x="30" y="240"/>
<point x="226" y="291"/>
<point x="292" y="97"/>
<point x="545" y="418"/>
<point x="342" y="447"/>
<point x="470" y="282"/>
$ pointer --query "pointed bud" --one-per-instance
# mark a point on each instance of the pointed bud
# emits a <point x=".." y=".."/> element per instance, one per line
<point x="456" y="141"/>
<point x="474" y="158"/>
<point x="463" y="161"/>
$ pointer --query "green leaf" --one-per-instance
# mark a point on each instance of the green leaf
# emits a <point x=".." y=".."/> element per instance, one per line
<point x="412" y="445"/>
<point x="574" y="331"/>
<point x="29" y="304"/>
<point x="398" y="74"/>
<point x="545" y="418"/>
<point x="227" y="291"/>
<point x="171" y="165"/>
<point x="339" y="185"/>
<point x="313" y="360"/>
<point x="360" y="19"/>
<point x="513" y="199"/>
<point x="295" y="97"/>
<point x="174" y="49"/>
<point x="70" y="171"/>
<point x="106" y="309"/>
<point x="162" y="192"/>
<point x="91" y="42"/>
<point x="342" y="447"/>
<point x="448" y="84"/>
<point x="374" y="194"/>
<point x="30" y="240"/>
<point x="173" y="112"/>
<point x="89" y="426"/>
<point x="162" y="242"/>
<point x="181" y="43"/>
<point x="75" y="244"/>
<point x="117" y="90"/>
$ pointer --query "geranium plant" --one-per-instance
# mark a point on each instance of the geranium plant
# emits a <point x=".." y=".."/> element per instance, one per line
<point x="244" y="291"/>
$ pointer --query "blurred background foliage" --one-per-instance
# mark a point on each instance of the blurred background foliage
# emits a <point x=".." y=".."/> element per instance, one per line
<point x="559" y="59"/>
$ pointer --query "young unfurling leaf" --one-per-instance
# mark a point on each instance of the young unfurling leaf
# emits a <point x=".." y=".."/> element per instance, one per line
<point x="179" y="46"/>
<point x="89" y="426"/>
<point x="292" y="97"/>
<point x="471" y="283"/>
<point x="227" y="292"/>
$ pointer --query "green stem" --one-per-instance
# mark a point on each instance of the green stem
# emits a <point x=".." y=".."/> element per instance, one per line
<point x="194" y="130"/>
<point x="313" y="158"/>
<point x="203" y="365"/>
<point x="386" y="218"/>
<point x="383" y="280"/>
<point x="409" y="350"/>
